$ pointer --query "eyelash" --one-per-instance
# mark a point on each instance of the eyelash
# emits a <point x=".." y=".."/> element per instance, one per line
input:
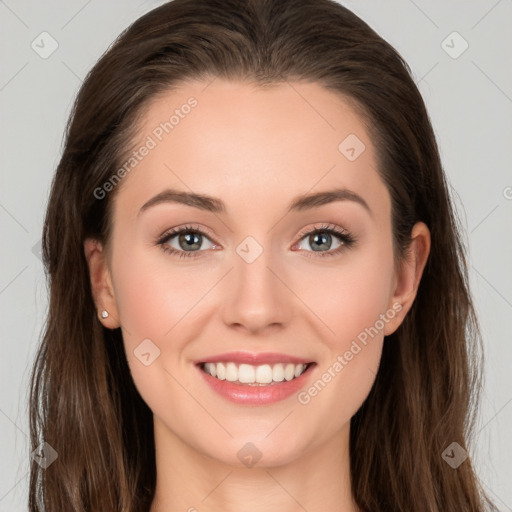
<point x="346" y="238"/>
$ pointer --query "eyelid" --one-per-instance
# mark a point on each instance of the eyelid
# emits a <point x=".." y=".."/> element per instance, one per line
<point x="162" y="240"/>
<point x="347" y="240"/>
<point x="169" y="233"/>
<point x="205" y="231"/>
<point x="324" y="226"/>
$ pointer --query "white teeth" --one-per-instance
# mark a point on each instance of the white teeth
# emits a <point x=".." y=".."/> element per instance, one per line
<point x="249" y="374"/>
<point x="278" y="373"/>
<point x="231" y="372"/>
<point x="211" y="368"/>
<point x="246" y="373"/>
<point x="264" y="374"/>
<point x="299" y="369"/>
<point x="221" y="371"/>
<point x="289" y="371"/>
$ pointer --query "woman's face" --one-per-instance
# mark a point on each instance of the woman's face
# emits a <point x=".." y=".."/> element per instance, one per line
<point x="248" y="278"/>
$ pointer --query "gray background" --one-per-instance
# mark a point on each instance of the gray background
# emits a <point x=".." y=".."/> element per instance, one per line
<point x="469" y="97"/>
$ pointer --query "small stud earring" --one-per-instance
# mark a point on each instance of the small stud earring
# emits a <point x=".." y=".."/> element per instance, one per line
<point x="104" y="314"/>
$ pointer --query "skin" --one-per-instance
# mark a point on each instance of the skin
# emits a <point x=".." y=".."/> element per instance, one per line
<point x="256" y="149"/>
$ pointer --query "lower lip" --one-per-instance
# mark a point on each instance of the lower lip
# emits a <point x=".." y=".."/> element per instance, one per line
<point x="256" y="395"/>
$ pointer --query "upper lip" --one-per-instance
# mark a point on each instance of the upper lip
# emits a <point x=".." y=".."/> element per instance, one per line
<point x="254" y="359"/>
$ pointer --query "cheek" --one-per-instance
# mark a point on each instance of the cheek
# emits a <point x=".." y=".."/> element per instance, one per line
<point x="354" y="312"/>
<point x="351" y="300"/>
<point x="155" y="301"/>
<point x="348" y="296"/>
<point x="153" y="294"/>
<point x="160" y="300"/>
<point x="340" y="387"/>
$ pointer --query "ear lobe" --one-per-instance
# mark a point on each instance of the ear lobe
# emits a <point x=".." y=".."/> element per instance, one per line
<point x="408" y="278"/>
<point x="101" y="283"/>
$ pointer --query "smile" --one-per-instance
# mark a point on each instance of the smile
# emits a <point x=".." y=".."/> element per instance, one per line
<point x="247" y="374"/>
<point x="260" y="384"/>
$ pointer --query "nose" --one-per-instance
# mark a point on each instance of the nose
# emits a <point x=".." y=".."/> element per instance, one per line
<point x="257" y="298"/>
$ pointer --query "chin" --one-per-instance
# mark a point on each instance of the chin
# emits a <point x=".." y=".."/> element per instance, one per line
<point x="256" y="453"/>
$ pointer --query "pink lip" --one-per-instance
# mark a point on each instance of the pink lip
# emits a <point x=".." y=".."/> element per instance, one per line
<point x="244" y="394"/>
<point x="254" y="359"/>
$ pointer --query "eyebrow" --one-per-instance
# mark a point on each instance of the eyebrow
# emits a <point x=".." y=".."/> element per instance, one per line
<point x="215" y="205"/>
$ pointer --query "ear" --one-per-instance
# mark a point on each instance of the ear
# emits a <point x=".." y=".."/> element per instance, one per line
<point x="101" y="283"/>
<point x="407" y="279"/>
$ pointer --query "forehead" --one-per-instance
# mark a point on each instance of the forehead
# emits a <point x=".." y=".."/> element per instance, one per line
<point x="243" y="142"/>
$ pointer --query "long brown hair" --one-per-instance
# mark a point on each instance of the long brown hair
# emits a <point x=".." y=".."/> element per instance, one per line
<point x="83" y="402"/>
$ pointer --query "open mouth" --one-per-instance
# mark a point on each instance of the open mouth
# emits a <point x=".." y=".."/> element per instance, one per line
<point x="255" y="375"/>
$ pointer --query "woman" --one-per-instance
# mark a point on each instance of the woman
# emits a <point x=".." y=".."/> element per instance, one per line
<point x="258" y="289"/>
